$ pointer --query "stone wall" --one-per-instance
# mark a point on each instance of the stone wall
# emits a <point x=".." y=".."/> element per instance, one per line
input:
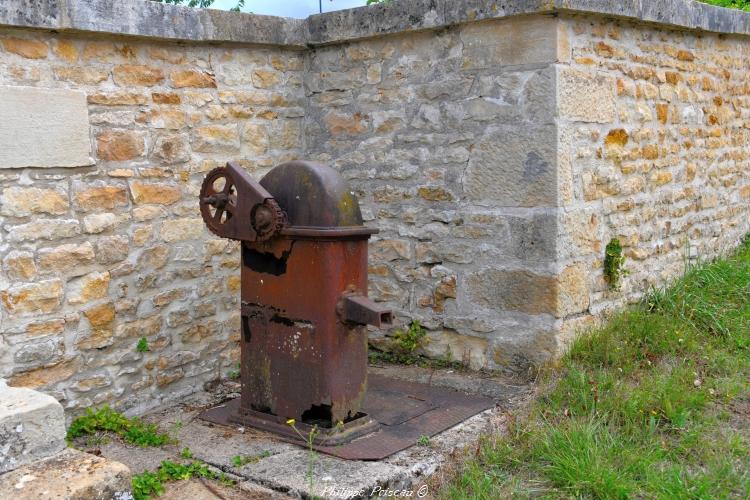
<point x="98" y="253"/>
<point x="449" y="140"/>
<point x="497" y="152"/>
<point x="655" y="150"/>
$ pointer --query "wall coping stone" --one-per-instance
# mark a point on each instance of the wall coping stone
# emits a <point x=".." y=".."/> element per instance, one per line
<point x="144" y="18"/>
<point x="411" y="15"/>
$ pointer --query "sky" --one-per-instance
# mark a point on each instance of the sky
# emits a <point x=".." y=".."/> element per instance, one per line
<point x="289" y="8"/>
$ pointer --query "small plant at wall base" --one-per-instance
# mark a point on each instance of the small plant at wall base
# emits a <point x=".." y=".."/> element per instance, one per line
<point x="614" y="264"/>
<point x="403" y="346"/>
<point x="131" y="430"/>
<point x="412" y="339"/>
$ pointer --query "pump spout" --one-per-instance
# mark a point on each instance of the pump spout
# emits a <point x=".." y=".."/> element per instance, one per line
<point x="363" y="311"/>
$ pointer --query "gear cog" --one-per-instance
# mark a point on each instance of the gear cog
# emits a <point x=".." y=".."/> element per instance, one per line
<point x="267" y="219"/>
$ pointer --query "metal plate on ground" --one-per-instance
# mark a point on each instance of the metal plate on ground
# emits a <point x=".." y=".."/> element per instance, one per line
<point x="405" y="410"/>
<point x="391" y="407"/>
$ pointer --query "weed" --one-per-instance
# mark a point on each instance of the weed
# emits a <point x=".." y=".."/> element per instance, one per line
<point x="240" y="460"/>
<point x="339" y="427"/>
<point x="403" y="347"/>
<point x="614" y="264"/>
<point x="142" y="345"/>
<point x="225" y="480"/>
<point x="410" y="340"/>
<point x="423" y="440"/>
<point x="186" y="453"/>
<point x="235" y="373"/>
<point x="311" y="455"/>
<point x="147" y="484"/>
<point x="376" y="356"/>
<point x="132" y="430"/>
<point x="152" y="483"/>
<point x="175" y="428"/>
<point x="96" y="440"/>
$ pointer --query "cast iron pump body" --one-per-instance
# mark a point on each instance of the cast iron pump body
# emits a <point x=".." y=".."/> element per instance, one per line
<point x="304" y="293"/>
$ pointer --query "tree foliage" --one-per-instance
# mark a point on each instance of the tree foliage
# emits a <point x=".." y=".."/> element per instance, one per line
<point x="203" y="4"/>
<point x="732" y="4"/>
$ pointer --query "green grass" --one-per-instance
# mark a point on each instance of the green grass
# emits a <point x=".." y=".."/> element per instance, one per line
<point x="732" y="4"/>
<point x="103" y="420"/>
<point x="654" y="404"/>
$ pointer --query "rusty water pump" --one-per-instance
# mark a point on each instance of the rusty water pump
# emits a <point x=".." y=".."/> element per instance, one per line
<point x="304" y="296"/>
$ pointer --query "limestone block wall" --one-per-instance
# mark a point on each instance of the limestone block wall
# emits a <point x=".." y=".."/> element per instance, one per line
<point x="654" y="140"/>
<point x="102" y="244"/>
<point x="449" y="140"/>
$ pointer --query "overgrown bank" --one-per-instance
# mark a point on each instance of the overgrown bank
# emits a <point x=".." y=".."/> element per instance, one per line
<point x="654" y="404"/>
<point x="731" y="4"/>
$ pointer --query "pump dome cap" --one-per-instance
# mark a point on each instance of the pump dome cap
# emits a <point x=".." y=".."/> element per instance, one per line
<point x="314" y="196"/>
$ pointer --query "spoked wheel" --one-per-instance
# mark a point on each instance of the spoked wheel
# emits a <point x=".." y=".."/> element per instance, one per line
<point x="218" y="200"/>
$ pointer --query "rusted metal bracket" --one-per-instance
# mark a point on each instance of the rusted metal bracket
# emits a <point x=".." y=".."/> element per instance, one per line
<point x="358" y="309"/>
<point x="235" y="206"/>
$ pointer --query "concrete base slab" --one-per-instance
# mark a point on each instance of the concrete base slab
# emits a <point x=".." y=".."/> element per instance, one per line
<point x="137" y="459"/>
<point x="277" y="468"/>
<point x="69" y="475"/>
<point x="219" y="445"/>
<point x="195" y="489"/>
<point x="253" y="491"/>
<point x="32" y="427"/>
<point x="310" y="474"/>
